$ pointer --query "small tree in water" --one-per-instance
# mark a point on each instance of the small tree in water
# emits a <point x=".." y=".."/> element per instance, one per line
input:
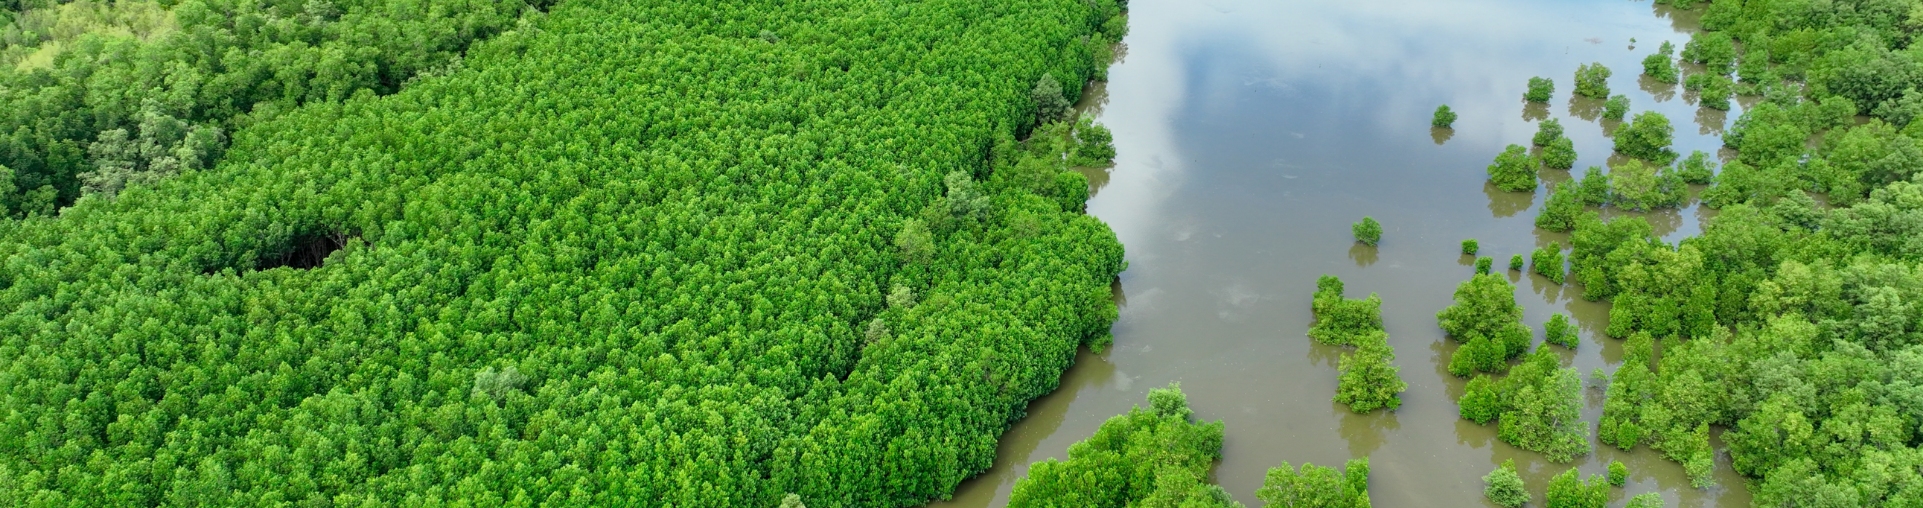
<point x="1697" y="168"/>
<point x="1541" y="89"/>
<point x="1547" y="132"/>
<point x="1647" y="137"/>
<point x="1469" y="247"/>
<point x="1659" y="66"/>
<point x="1504" y="486"/>
<point x="1514" y="170"/>
<point x="1592" y="80"/>
<point x="1559" y="154"/>
<point x="1444" y="117"/>
<point x="1369" y="232"/>
<point x="1616" y="107"/>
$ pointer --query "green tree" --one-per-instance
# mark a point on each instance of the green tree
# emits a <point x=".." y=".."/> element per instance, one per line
<point x="1547" y="132"/>
<point x="1560" y="211"/>
<point x="1616" y="107"/>
<point x="1503" y="486"/>
<point x="1368" y="231"/>
<point x="1147" y="457"/>
<point x="1515" y="263"/>
<point x="1541" y="89"/>
<point x="1659" y="66"/>
<point x="1444" y="118"/>
<point x="1566" y="491"/>
<point x="1592" y="80"/>
<point x="1560" y="154"/>
<point x="1483" y="264"/>
<point x="1050" y="103"/>
<point x="1559" y="331"/>
<point x="1095" y="145"/>
<point x="1514" y="170"/>
<point x="1548" y="261"/>
<point x="1647" y="137"/>
<point x="1470" y="247"/>
<point x="1369" y="378"/>
<point x="1594" y="187"/>
<point x="914" y="242"/>
<point x="1618" y="473"/>
<point x="1485" y="306"/>
<point x="1697" y="169"/>
<point x="1716" y="51"/>
<point x="1315" y="486"/>
<point x="1646" y="500"/>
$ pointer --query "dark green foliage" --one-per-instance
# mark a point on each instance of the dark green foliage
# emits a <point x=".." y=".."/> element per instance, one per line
<point x="1094" y="144"/>
<point x="1592" y="80"/>
<point x="116" y="110"/>
<point x="1659" y="66"/>
<point x="677" y="234"/>
<point x="1050" y="104"/>
<point x="1616" y="107"/>
<point x="1316" y="487"/>
<point x="1547" y="261"/>
<point x="1514" y="170"/>
<point x="1560" y="154"/>
<point x="1444" y="117"/>
<point x="1716" y="51"/>
<point x="1515" y="262"/>
<point x="1541" y="89"/>
<point x="1715" y="92"/>
<point x="1484" y="264"/>
<point x="1647" y="137"/>
<point x="1600" y="250"/>
<point x="1559" y="331"/>
<point x="1594" y="187"/>
<point x="1566" y="491"/>
<point x="1470" y="247"/>
<point x="1697" y="168"/>
<point x="1559" y="213"/>
<point x="1503" y="486"/>
<point x="1547" y="131"/>
<point x="1618" y="473"/>
<point x="1342" y="321"/>
<point x="1147" y="457"/>
<point x="1478" y="402"/>
<point x="1368" y="231"/>
<point x="1479" y="354"/>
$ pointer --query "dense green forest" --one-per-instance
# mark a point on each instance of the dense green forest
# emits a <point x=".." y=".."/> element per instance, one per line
<point x="621" y="253"/>
<point x="1791" y="322"/>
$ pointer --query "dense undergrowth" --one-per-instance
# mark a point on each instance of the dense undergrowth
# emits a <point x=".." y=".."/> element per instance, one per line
<point x="1797" y="326"/>
<point x="629" y="253"/>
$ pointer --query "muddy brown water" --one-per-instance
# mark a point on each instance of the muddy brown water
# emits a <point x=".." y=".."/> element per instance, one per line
<point x="1252" y="133"/>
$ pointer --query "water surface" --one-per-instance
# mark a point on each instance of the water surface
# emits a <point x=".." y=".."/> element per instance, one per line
<point x="1252" y="133"/>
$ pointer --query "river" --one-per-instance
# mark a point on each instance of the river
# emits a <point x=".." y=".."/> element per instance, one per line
<point x="1252" y="133"/>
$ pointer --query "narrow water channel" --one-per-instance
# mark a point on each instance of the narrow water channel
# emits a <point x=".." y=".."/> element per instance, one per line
<point x="1252" y="133"/>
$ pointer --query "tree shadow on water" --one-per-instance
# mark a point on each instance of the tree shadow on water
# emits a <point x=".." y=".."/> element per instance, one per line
<point x="1441" y="134"/>
<point x="1365" y="432"/>
<point x="1504" y="203"/>
<point x="1658" y="90"/>
<point x="1363" y="255"/>
<point x="1533" y="111"/>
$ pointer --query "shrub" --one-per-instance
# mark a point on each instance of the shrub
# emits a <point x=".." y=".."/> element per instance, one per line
<point x="1566" y="491"/>
<point x="1369" y="232"/>
<point x="1540" y="90"/>
<point x="1559" y="213"/>
<point x="1659" y="66"/>
<point x="1444" y="117"/>
<point x="1716" y="92"/>
<point x="1315" y="486"/>
<point x="1715" y="50"/>
<point x="1514" y="170"/>
<point x="1368" y="378"/>
<point x="1504" y="486"/>
<point x="1050" y="104"/>
<point x="1343" y="321"/>
<point x="1469" y="247"/>
<point x="1515" y="262"/>
<point x="1547" y="131"/>
<point x="1616" y="107"/>
<point x="1618" y="473"/>
<point x="1635" y="185"/>
<point x="1647" y="137"/>
<point x="1559" y="331"/>
<point x="1594" y="187"/>
<point x="1646" y="500"/>
<point x="1483" y="264"/>
<point x="1548" y="261"/>
<point x="1560" y="154"/>
<point x="1697" y="168"/>
<point x="1592" y="80"/>
<point x="1155" y="456"/>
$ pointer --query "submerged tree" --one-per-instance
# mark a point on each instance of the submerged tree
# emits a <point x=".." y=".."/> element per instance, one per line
<point x="1548" y="261"/>
<point x="1369" y="378"/>
<point x="1050" y="104"/>
<point x="1592" y="80"/>
<point x="1559" y="154"/>
<point x="1647" y="137"/>
<point x="1559" y="331"/>
<point x="1469" y="247"/>
<point x="1315" y="486"/>
<point x="1514" y="170"/>
<point x="1697" y="169"/>
<point x="1616" y="107"/>
<point x="1659" y="66"/>
<point x="1503" y="486"/>
<point x="1566" y="491"/>
<point x="1559" y="213"/>
<point x="1541" y="89"/>
<point x="1547" y="131"/>
<point x="1368" y="231"/>
<point x="1147" y="457"/>
<point x="1444" y="117"/>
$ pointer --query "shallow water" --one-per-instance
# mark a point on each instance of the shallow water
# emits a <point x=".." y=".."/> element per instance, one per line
<point x="1252" y="133"/>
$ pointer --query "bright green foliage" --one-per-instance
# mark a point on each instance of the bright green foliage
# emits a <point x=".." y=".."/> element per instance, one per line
<point x="1316" y="486"/>
<point x="1636" y="185"/>
<point x="1566" y="491"/>
<point x="1592" y="80"/>
<point x="1503" y="486"/>
<point x="1342" y="321"/>
<point x="156" y="93"/>
<point x="1483" y="264"/>
<point x="1515" y="262"/>
<point x="1715" y="91"/>
<point x="1368" y="231"/>
<point x="1487" y="320"/>
<point x="1560" y="154"/>
<point x="1647" y="137"/>
<point x="1559" y="213"/>
<point x="1547" y="261"/>
<point x="1559" y="331"/>
<point x="1369" y="378"/>
<point x="1600" y="251"/>
<point x="1094" y="144"/>
<point x="1697" y="168"/>
<point x="1547" y="131"/>
<point x="1470" y="247"/>
<point x="1659" y="66"/>
<point x="1594" y="187"/>
<point x="1478" y="402"/>
<point x="676" y="232"/>
<point x="1646" y="500"/>
<point x="792" y="501"/>
<point x="1541" y="89"/>
<point x="1618" y="473"/>
<point x="1147" y="457"/>
<point x="1444" y="117"/>
<point x="1541" y="408"/>
<point x="1616" y="107"/>
<point x="1716" y="51"/>
<point x="1514" y="170"/>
